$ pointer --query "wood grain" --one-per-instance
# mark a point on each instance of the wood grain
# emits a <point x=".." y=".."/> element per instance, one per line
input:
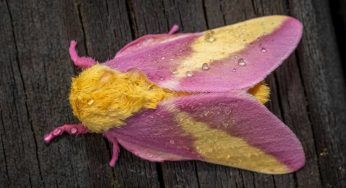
<point x="308" y="91"/>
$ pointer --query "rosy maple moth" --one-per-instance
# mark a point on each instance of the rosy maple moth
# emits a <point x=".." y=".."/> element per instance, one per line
<point x="191" y="96"/>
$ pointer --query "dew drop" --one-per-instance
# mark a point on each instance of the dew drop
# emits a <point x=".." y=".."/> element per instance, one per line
<point x="226" y="124"/>
<point x="73" y="130"/>
<point x="241" y="62"/>
<point x="171" y="141"/>
<point x="211" y="39"/>
<point x="234" y="70"/>
<point x="205" y="66"/>
<point x="90" y="102"/>
<point x="234" y="58"/>
<point x="209" y="36"/>
<point x="161" y="78"/>
<point x="163" y="58"/>
<point x="324" y="152"/>
<point x="188" y="73"/>
<point x="171" y="59"/>
<point x="174" y="72"/>
<point x="263" y="50"/>
<point x="57" y="132"/>
<point x="228" y="156"/>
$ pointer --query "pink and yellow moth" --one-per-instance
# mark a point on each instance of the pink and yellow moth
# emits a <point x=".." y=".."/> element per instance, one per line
<point x="193" y="96"/>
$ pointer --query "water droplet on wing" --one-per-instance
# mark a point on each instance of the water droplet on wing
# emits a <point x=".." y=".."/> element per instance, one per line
<point x="205" y="66"/>
<point x="225" y="124"/>
<point x="263" y="50"/>
<point x="241" y="62"/>
<point x="209" y="36"/>
<point x="188" y="73"/>
<point x="211" y="39"/>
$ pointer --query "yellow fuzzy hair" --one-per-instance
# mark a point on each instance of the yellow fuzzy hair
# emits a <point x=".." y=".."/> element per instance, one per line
<point x="102" y="98"/>
<point x="261" y="91"/>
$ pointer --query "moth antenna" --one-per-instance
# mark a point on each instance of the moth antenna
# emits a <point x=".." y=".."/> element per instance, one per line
<point x="81" y="62"/>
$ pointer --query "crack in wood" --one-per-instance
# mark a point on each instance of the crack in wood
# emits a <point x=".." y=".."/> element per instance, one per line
<point x="4" y="153"/>
<point x="205" y="14"/>
<point x="80" y="18"/>
<point x="132" y="19"/>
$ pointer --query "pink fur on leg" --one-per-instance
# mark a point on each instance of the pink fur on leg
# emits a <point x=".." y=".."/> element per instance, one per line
<point x="81" y="62"/>
<point x="72" y="129"/>
<point x="116" y="149"/>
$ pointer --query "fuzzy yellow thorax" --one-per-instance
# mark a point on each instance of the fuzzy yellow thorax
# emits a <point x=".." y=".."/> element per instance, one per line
<point x="261" y="91"/>
<point x="102" y="98"/>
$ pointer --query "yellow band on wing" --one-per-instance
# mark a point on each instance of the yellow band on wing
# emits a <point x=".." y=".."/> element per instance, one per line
<point x="220" y="43"/>
<point x="221" y="148"/>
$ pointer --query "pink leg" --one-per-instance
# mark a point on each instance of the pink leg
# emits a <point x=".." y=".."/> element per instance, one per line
<point x="72" y="129"/>
<point x="81" y="62"/>
<point x="116" y="149"/>
<point x="174" y="29"/>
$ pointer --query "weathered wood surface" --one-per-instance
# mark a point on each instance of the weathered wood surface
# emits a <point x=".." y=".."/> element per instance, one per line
<point x="308" y="91"/>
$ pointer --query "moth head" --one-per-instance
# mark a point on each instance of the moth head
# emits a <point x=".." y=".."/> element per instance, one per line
<point x="94" y="98"/>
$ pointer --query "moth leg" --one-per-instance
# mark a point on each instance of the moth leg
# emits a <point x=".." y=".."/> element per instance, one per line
<point x="81" y="62"/>
<point x="116" y="149"/>
<point x="174" y="29"/>
<point x="72" y="129"/>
